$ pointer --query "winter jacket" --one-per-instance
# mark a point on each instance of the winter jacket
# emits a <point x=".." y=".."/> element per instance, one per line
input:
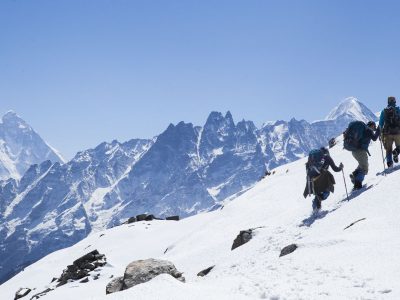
<point x="324" y="182"/>
<point x="368" y="136"/>
<point x="382" y="121"/>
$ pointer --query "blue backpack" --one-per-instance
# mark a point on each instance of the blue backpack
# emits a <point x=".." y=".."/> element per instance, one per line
<point x="316" y="160"/>
<point x="354" y="136"/>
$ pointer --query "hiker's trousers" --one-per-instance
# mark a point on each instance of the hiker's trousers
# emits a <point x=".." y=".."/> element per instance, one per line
<point x="362" y="158"/>
<point x="389" y="139"/>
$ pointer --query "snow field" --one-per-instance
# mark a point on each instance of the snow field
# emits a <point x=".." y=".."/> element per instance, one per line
<point x="360" y="262"/>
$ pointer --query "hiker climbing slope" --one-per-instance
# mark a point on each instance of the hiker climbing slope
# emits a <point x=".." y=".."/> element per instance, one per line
<point x="389" y="121"/>
<point x="320" y="182"/>
<point x="357" y="138"/>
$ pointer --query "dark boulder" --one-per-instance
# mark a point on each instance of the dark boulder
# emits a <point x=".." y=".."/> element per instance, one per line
<point x="288" y="249"/>
<point x="131" y="220"/>
<point x="89" y="257"/>
<point x="205" y="271"/>
<point x="172" y="218"/>
<point x="243" y="237"/>
<point x="22" y="292"/>
<point x="150" y="218"/>
<point x="141" y="217"/>
<point x="82" y="267"/>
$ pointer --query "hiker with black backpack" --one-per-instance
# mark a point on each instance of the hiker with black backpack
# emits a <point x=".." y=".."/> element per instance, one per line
<point x="389" y="121"/>
<point x="320" y="182"/>
<point x="357" y="138"/>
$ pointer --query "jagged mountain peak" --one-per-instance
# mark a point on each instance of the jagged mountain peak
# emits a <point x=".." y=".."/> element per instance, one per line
<point x="10" y="113"/>
<point x="351" y="108"/>
<point x="218" y="117"/>
<point x="21" y="146"/>
<point x="228" y="116"/>
<point x="11" y="118"/>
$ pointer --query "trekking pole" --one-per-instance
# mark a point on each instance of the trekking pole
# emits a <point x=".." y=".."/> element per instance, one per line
<point x="383" y="158"/>
<point x="345" y="185"/>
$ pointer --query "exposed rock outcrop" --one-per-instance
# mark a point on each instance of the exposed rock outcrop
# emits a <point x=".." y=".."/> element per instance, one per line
<point x="141" y="271"/>
<point x="205" y="271"/>
<point x="22" y="292"/>
<point x="81" y="267"/>
<point x="243" y="237"/>
<point x="115" y="285"/>
<point x="288" y="249"/>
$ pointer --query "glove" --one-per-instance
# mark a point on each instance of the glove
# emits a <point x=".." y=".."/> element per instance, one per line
<point x="341" y="166"/>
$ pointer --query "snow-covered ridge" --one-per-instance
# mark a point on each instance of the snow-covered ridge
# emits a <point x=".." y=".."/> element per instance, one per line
<point x="332" y="261"/>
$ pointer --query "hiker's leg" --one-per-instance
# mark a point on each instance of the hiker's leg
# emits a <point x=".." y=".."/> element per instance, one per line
<point x="316" y="202"/>
<point x="396" y="151"/>
<point x="362" y="158"/>
<point x="388" y="143"/>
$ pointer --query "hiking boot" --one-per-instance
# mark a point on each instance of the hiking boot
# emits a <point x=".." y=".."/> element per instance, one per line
<point x="396" y="155"/>
<point x="316" y="204"/>
<point x="352" y="177"/>
<point x="357" y="185"/>
<point x="390" y="163"/>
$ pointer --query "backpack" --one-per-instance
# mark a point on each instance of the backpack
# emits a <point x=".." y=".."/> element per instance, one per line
<point x="316" y="160"/>
<point x="354" y="136"/>
<point x="392" y="118"/>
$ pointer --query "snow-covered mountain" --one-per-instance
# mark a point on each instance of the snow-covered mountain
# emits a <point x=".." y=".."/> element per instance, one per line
<point x="351" y="109"/>
<point x="350" y="251"/>
<point x="284" y="142"/>
<point x="21" y="146"/>
<point x="54" y="206"/>
<point x="185" y="170"/>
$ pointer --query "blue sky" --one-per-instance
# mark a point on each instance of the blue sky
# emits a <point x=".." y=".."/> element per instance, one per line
<point x="87" y="71"/>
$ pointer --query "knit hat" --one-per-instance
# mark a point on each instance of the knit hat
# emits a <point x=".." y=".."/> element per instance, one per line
<point x="391" y="100"/>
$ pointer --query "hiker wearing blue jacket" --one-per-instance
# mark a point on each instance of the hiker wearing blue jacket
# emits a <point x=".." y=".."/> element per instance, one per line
<point x="357" y="138"/>
<point x="389" y="121"/>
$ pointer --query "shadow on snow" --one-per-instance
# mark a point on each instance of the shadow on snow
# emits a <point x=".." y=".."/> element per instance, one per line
<point x="314" y="217"/>
<point x="388" y="170"/>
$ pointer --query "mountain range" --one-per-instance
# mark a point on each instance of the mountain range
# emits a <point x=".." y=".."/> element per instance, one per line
<point x="185" y="170"/>
<point x="349" y="250"/>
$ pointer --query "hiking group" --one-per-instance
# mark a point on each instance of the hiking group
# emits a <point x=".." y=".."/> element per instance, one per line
<point x="356" y="139"/>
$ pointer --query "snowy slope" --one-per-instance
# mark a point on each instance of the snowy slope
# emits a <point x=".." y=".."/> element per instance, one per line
<point x="21" y="147"/>
<point x="360" y="262"/>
